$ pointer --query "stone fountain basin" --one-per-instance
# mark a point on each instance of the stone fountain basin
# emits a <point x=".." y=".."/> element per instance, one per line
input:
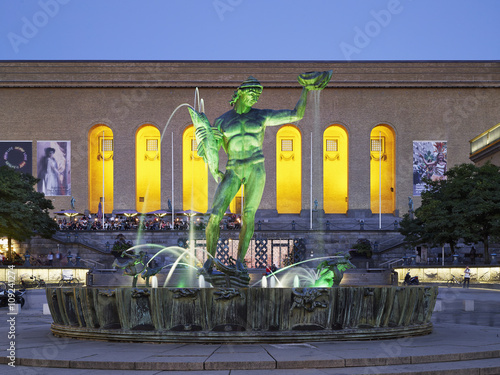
<point x="256" y="315"/>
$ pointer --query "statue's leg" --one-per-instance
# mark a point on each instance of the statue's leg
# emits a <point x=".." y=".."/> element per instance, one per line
<point x="225" y="192"/>
<point x="254" y="188"/>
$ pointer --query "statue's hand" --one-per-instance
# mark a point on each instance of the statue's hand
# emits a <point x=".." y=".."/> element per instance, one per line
<point x="220" y="175"/>
<point x="216" y="173"/>
<point x="315" y="80"/>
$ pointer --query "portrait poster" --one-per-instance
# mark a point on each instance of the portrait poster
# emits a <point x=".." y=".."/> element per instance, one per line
<point x="17" y="155"/>
<point x="429" y="161"/>
<point x="54" y="167"/>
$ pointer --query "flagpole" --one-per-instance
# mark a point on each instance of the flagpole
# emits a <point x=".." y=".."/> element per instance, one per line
<point x="311" y="187"/>
<point x="103" y="179"/>
<point x="380" y="182"/>
<point x="172" y="158"/>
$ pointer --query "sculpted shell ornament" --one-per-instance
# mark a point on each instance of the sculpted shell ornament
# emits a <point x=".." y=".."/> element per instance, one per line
<point x="228" y="293"/>
<point x="185" y="292"/>
<point x="138" y="293"/>
<point x="306" y="298"/>
<point x="107" y="292"/>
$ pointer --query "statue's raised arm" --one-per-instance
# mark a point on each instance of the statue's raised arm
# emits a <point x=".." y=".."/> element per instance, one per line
<point x="309" y="81"/>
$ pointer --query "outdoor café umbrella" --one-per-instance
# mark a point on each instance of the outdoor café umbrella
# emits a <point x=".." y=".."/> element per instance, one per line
<point x="190" y="213"/>
<point x="128" y="213"/>
<point x="159" y="213"/>
<point x="70" y="213"/>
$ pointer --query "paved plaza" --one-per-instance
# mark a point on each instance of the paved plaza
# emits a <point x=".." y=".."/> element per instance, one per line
<point x="465" y="340"/>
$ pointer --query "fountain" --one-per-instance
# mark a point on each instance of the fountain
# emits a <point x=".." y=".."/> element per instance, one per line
<point x="292" y="305"/>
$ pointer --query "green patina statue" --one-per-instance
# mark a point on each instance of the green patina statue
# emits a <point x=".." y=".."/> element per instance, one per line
<point x="240" y="132"/>
<point x="331" y="271"/>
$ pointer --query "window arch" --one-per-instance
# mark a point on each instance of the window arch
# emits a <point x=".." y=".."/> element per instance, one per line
<point x="288" y="170"/>
<point x="148" y="169"/>
<point x="100" y="164"/>
<point x="335" y="170"/>
<point x="194" y="174"/>
<point x="382" y="169"/>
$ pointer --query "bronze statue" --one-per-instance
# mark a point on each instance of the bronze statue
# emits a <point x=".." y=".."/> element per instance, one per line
<point x="240" y="132"/>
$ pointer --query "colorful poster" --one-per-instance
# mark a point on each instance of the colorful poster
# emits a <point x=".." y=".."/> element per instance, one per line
<point x="54" y="167"/>
<point x="17" y="155"/>
<point x="429" y="161"/>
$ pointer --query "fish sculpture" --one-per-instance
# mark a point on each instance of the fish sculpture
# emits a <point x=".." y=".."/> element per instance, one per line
<point x="209" y="140"/>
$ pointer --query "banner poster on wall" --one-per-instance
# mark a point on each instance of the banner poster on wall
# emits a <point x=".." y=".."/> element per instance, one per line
<point x="54" y="167"/>
<point x="17" y="155"/>
<point x="429" y="161"/>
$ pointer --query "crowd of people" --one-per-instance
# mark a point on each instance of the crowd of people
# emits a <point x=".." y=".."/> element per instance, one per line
<point x="142" y="223"/>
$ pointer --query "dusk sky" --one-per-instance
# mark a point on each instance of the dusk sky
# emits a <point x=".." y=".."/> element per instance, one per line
<point x="339" y="30"/>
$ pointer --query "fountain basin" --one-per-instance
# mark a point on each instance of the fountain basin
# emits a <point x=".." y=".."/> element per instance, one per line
<point x="246" y="315"/>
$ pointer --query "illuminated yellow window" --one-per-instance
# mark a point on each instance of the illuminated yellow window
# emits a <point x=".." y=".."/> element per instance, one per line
<point x="148" y="169"/>
<point x="288" y="170"/>
<point x="194" y="175"/>
<point x="151" y="144"/>
<point x="100" y="155"/>
<point x="332" y="145"/>
<point x="287" y="145"/>
<point x="335" y="170"/>
<point x="377" y="145"/>
<point x="382" y="169"/>
<point x="106" y="144"/>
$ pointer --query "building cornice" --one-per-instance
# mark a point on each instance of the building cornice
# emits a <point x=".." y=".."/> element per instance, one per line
<point x="179" y="74"/>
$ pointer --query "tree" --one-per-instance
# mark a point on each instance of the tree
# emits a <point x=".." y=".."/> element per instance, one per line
<point x="482" y="209"/>
<point x="464" y="206"/>
<point x="24" y="212"/>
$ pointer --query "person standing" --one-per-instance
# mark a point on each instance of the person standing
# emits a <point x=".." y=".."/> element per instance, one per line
<point x="58" y="257"/>
<point x="466" y="277"/>
<point x="50" y="258"/>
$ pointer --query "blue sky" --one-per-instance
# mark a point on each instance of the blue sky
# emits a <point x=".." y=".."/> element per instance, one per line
<point x="341" y="30"/>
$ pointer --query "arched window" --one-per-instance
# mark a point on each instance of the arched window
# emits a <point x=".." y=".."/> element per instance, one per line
<point x="194" y="174"/>
<point x="288" y="170"/>
<point x="382" y="169"/>
<point x="100" y="157"/>
<point x="335" y="170"/>
<point x="147" y="169"/>
<point x="236" y="205"/>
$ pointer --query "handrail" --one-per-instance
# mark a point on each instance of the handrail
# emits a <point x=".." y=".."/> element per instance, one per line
<point x="391" y="262"/>
<point x="93" y="262"/>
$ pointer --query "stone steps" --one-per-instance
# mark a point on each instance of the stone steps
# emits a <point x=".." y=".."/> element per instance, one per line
<point x="471" y="367"/>
<point x="472" y="363"/>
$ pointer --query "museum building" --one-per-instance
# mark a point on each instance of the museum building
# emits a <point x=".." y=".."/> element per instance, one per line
<point x="119" y="133"/>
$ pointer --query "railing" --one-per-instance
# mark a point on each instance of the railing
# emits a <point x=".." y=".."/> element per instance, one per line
<point x="391" y="262"/>
<point x="262" y="251"/>
<point x="485" y="139"/>
<point x="93" y="263"/>
<point x="260" y="225"/>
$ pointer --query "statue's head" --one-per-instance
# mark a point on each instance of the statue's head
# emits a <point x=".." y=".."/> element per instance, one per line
<point x="250" y="84"/>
